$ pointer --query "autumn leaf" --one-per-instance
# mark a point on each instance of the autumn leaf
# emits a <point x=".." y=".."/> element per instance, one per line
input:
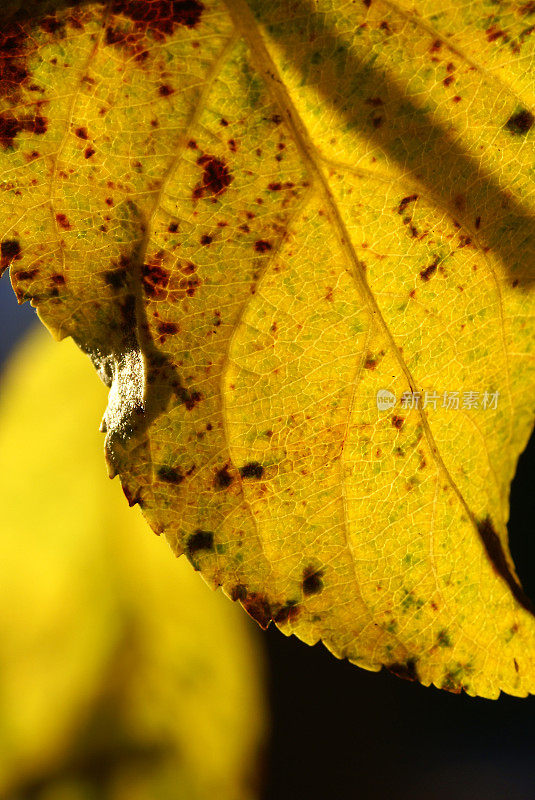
<point x="257" y="218"/>
<point x="121" y="674"/>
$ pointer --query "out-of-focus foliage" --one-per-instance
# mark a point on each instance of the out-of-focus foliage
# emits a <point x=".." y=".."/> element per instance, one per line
<point x="122" y="675"/>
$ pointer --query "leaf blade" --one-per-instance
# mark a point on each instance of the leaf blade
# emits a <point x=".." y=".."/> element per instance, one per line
<point x="327" y="230"/>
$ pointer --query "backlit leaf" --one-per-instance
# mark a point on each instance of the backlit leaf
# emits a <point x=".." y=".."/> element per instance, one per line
<point x="256" y="216"/>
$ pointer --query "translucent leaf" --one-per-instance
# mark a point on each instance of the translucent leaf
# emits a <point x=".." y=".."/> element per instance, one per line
<point x="255" y="217"/>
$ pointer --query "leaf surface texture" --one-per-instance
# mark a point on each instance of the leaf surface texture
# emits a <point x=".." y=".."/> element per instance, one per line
<point x="255" y="216"/>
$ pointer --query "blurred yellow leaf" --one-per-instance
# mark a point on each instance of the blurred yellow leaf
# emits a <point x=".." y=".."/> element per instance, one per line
<point x="255" y="217"/>
<point x="120" y="671"/>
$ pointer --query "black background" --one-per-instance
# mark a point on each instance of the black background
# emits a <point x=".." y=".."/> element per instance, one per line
<point x="338" y="731"/>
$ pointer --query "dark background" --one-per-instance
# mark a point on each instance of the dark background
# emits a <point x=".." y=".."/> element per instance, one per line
<point x="339" y="731"/>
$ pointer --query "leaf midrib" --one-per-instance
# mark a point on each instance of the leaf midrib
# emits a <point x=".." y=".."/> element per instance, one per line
<point x="245" y="22"/>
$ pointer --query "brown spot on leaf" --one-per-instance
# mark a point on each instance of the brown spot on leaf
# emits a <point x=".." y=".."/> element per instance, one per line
<point x="186" y="286"/>
<point x="63" y="222"/>
<point x="494" y="33"/>
<point x="262" y="246"/>
<point x="167" y="328"/>
<point x="164" y="90"/>
<point x="81" y="133"/>
<point x="10" y="127"/>
<point x="115" y="36"/>
<point x="173" y="227"/>
<point x="405" y="670"/>
<point x="155" y="277"/>
<point x="160" y="16"/>
<point x="190" y="399"/>
<point x="12" y="54"/>
<point x="216" y="177"/>
<point x="198" y="541"/>
<point x="259" y="608"/>
<point x="88" y="152"/>
<point x="429" y="271"/>
<point x="397" y="422"/>
<point x="51" y="24"/>
<point x="9" y="252"/>
<point x="452" y="682"/>
<point x="26" y="275"/>
<point x="520" y="123"/>
<point x="287" y="612"/>
<point x="206" y="239"/>
<point x="223" y="478"/>
<point x="170" y="474"/>
<point x="58" y="279"/>
<point x="238" y="592"/>
<point x="312" y="580"/>
<point x="252" y="470"/>
<point x="39" y="125"/>
<point x="405" y="202"/>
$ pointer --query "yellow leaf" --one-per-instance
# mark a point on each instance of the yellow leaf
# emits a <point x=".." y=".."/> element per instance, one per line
<point x="259" y="217"/>
<point x="115" y="660"/>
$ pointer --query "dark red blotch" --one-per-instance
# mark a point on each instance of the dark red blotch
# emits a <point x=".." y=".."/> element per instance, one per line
<point x="406" y="670"/>
<point x="12" y="53"/>
<point x="155" y="277"/>
<point x="426" y="273"/>
<point x="216" y="177"/>
<point x="520" y="123"/>
<point x="9" y="252"/>
<point x="223" y="478"/>
<point x="170" y="474"/>
<point x="259" y="608"/>
<point x="252" y="470"/>
<point x="312" y="580"/>
<point x="167" y="328"/>
<point x="198" y="541"/>
<point x="10" y="127"/>
<point x="63" y="222"/>
<point x="161" y="16"/>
